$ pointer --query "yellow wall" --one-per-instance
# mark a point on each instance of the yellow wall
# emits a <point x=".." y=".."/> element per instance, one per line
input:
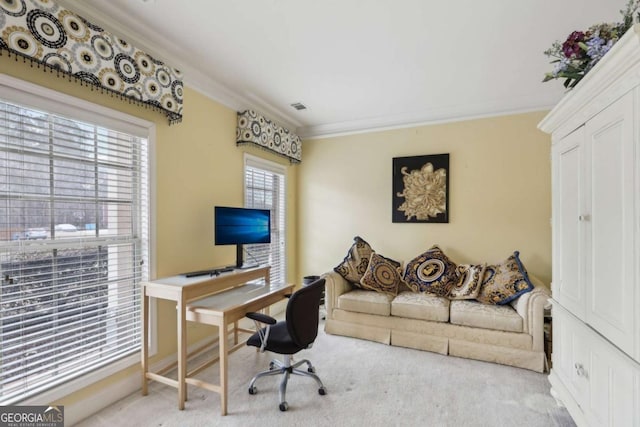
<point x="500" y="194"/>
<point x="197" y="166"/>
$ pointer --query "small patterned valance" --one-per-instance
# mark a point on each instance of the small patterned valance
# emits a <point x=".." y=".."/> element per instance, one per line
<point x="48" y="34"/>
<point x="255" y="129"/>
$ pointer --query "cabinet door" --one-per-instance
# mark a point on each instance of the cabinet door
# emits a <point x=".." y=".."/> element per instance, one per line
<point x="610" y="196"/>
<point x="570" y="353"/>
<point x="601" y="380"/>
<point x="568" y="229"/>
<point x="612" y="389"/>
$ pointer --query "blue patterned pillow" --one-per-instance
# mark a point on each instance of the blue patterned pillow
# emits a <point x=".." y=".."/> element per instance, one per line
<point x="382" y="275"/>
<point x="504" y="282"/>
<point x="432" y="272"/>
<point x="354" y="265"/>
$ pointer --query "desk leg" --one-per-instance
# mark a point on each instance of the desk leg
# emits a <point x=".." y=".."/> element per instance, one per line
<point x="222" y="331"/>
<point x="235" y="332"/>
<point x="267" y="282"/>
<point x="182" y="352"/>
<point x="144" y="351"/>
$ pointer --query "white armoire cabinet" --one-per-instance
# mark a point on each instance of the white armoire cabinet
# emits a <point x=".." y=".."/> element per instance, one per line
<point x="596" y="241"/>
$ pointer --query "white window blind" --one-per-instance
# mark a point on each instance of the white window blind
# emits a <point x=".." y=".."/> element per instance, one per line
<point x="264" y="188"/>
<point x="73" y="236"/>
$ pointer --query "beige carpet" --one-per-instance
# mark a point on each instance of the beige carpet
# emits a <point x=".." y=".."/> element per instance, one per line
<point x="368" y="384"/>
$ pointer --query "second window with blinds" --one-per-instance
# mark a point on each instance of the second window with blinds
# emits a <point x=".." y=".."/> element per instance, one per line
<point x="264" y="188"/>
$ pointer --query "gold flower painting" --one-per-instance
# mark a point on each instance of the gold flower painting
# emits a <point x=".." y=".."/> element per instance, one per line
<point x="421" y="188"/>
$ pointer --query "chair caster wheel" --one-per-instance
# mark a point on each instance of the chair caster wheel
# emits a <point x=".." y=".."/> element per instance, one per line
<point x="322" y="391"/>
<point x="253" y="390"/>
<point x="284" y="406"/>
<point x="312" y="370"/>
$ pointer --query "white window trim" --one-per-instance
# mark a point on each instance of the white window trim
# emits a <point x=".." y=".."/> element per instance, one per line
<point x="38" y="97"/>
<point x="259" y="162"/>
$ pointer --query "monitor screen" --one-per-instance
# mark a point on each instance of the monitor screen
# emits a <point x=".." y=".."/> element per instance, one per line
<point x="238" y="226"/>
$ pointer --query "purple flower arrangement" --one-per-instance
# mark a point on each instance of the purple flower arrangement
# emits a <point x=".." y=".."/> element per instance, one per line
<point x="582" y="50"/>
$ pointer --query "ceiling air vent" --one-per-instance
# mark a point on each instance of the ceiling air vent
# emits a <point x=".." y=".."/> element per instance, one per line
<point x="298" y="106"/>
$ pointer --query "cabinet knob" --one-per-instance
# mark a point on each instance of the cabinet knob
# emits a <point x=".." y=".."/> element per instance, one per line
<point x="583" y="218"/>
<point x="580" y="370"/>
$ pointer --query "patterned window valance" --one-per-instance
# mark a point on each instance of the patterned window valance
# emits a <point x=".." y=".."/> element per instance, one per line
<point x="255" y="129"/>
<point x="48" y="34"/>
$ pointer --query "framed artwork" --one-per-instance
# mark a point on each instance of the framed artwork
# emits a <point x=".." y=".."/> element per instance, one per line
<point x="421" y="189"/>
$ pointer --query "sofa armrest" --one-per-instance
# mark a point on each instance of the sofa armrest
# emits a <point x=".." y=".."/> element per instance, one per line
<point x="335" y="285"/>
<point x="530" y="307"/>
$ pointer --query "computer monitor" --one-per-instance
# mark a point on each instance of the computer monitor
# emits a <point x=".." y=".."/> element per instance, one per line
<point x="240" y="226"/>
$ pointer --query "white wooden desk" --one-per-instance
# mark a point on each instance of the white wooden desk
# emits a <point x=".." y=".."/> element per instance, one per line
<point x="216" y="300"/>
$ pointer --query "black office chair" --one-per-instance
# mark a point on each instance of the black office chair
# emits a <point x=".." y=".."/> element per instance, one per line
<point x="296" y="333"/>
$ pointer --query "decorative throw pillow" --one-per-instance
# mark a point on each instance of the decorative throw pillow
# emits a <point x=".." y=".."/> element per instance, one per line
<point x="382" y="275"/>
<point x="504" y="282"/>
<point x="431" y="272"/>
<point x="354" y="265"/>
<point x="469" y="281"/>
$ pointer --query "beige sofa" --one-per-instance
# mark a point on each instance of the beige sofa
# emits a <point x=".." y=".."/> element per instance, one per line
<point x="511" y="334"/>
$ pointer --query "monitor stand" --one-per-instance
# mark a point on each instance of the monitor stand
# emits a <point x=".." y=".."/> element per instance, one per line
<point x="240" y="259"/>
<point x="239" y="256"/>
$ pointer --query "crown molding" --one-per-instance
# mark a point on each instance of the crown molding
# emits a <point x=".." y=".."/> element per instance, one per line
<point x="165" y="50"/>
<point x="441" y="116"/>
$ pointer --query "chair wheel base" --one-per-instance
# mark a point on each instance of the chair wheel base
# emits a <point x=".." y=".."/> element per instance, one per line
<point x="322" y="391"/>
<point x="284" y="406"/>
<point x="253" y="390"/>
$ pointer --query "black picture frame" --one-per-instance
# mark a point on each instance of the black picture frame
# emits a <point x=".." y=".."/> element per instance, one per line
<point x="420" y="183"/>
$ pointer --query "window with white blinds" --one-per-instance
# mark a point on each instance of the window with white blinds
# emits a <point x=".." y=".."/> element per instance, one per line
<point x="73" y="247"/>
<point x="264" y="188"/>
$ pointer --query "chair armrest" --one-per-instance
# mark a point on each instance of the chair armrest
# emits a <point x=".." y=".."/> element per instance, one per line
<point x="335" y="285"/>
<point x="262" y="318"/>
<point x="263" y="333"/>
<point x="530" y="307"/>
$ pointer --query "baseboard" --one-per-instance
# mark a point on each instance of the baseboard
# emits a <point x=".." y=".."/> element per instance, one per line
<point x="114" y="392"/>
<point x="84" y="408"/>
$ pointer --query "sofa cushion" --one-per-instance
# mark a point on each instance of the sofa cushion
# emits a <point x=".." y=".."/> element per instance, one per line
<point x="469" y="281"/>
<point x="431" y="272"/>
<point x="504" y="282"/>
<point x="382" y="275"/>
<point x="363" y="301"/>
<point x="477" y="315"/>
<point x="420" y="306"/>
<point x="354" y="265"/>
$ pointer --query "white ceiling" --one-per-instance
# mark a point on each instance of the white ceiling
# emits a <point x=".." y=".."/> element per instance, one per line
<point x="357" y="64"/>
